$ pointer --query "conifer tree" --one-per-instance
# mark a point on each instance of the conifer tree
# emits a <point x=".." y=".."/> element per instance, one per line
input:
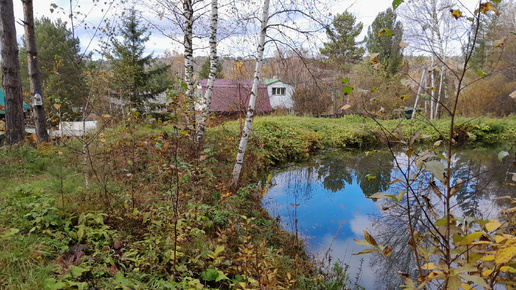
<point x="136" y="78"/>
<point x="343" y="47"/>
<point x="384" y="37"/>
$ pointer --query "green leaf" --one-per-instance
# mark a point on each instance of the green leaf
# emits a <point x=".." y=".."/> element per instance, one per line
<point x="373" y="90"/>
<point x="396" y="3"/>
<point x="502" y="155"/>
<point x="77" y="271"/>
<point x="146" y="217"/>
<point x="482" y="73"/>
<point x="210" y="274"/>
<point x="440" y="222"/>
<point x="221" y="276"/>
<point x="437" y="169"/>
<point x="9" y="233"/>
<point x="475" y="279"/>
<point x="347" y="90"/>
<point x="345" y="80"/>
<point x="80" y="235"/>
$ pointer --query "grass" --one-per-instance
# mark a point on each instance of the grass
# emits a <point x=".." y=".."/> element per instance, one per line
<point x="156" y="216"/>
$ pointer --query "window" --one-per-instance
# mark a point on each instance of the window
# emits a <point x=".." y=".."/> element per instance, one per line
<point x="278" y="91"/>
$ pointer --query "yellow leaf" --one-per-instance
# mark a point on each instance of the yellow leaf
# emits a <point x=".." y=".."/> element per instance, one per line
<point x="370" y="239"/>
<point x="498" y="43"/>
<point x="492" y="225"/>
<point x="465" y="286"/>
<point x="428" y="266"/>
<point x="345" y="107"/>
<point x="499" y="239"/>
<point x="403" y="44"/>
<point x="454" y="283"/>
<point x="366" y="251"/>
<point x="485" y="7"/>
<point x="504" y="255"/>
<point x="487" y="272"/>
<point x="456" y="13"/>
<point x="470" y="238"/>
<point x="505" y="269"/>
<point x="487" y="258"/>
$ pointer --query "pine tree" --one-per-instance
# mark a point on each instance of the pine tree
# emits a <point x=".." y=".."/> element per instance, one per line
<point x="205" y="70"/>
<point x="136" y="77"/>
<point x="61" y="67"/>
<point x="342" y="47"/>
<point x="384" y="37"/>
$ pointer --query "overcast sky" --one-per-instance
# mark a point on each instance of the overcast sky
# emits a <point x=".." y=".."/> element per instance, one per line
<point x="90" y="16"/>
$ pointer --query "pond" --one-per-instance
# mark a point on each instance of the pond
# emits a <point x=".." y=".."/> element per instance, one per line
<point x="323" y="202"/>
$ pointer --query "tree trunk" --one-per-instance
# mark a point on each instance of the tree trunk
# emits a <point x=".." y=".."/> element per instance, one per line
<point x="252" y="99"/>
<point x="188" y="14"/>
<point x="423" y="73"/>
<point x="34" y="76"/>
<point x="201" y="124"/>
<point x="14" y="119"/>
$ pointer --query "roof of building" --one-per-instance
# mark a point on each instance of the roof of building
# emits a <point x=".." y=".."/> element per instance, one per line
<point x="2" y="103"/>
<point x="269" y="81"/>
<point x="233" y="95"/>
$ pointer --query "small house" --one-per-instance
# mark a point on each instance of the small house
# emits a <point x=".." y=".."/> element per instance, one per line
<point x="280" y="93"/>
<point x="26" y="107"/>
<point x="233" y="96"/>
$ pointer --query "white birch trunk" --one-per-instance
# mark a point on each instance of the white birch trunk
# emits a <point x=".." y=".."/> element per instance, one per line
<point x="440" y="92"/>
<point x="206" y="101"/>
<point x="432" y="89"/>
<point x="252" y="99"/>
<point x="189" y="70"/>
<point x="418" y="93"/>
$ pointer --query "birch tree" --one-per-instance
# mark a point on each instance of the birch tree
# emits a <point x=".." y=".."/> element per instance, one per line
<point x="11" y="82"/>
<point x="34" y="74"/>
<point x="206" y="102"/>
<point x="252" y="100"/>
<point x="432" y="30"/>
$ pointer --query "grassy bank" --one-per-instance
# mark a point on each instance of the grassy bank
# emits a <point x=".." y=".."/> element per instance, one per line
<point x="141" y="210"/>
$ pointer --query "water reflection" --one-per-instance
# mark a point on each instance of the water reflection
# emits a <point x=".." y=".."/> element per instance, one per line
<point x="323" y="202"/>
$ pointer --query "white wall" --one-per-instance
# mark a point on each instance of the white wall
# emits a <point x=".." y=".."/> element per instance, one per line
<point x="278" y="101"/>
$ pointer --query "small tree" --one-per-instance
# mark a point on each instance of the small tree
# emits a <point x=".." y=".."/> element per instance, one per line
<point x="205" y="70"/>
<point x="133" y="79"/>
<point x="61" y="67"/>
<point x="384" y="37"/>
<point x="342" y="47"/>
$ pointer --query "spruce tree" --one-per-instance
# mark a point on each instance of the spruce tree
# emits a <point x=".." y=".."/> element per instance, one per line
<point x="384" y="37"/>
<point x="136" y="77"/>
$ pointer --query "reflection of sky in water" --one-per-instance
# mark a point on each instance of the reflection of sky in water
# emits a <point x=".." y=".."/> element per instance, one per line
<point x="323" y="213"/>
<point x="332" y="217"/>
<point x="326" y="215"/>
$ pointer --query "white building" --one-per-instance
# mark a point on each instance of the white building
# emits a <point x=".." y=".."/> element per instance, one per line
<point x="280" y="93"/>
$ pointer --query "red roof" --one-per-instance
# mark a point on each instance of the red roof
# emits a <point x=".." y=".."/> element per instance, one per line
<point x="233" y="96"/>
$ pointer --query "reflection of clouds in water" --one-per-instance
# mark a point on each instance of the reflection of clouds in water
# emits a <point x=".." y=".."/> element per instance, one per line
<point x="331" y="217"/>
<point x="358" y="224"/>
<point x="344" y="250"/>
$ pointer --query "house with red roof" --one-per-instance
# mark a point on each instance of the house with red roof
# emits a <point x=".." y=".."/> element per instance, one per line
<point x="233" y="96"/>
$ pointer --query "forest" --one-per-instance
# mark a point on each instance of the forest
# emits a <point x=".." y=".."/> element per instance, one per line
<point x="166" y="189"/>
